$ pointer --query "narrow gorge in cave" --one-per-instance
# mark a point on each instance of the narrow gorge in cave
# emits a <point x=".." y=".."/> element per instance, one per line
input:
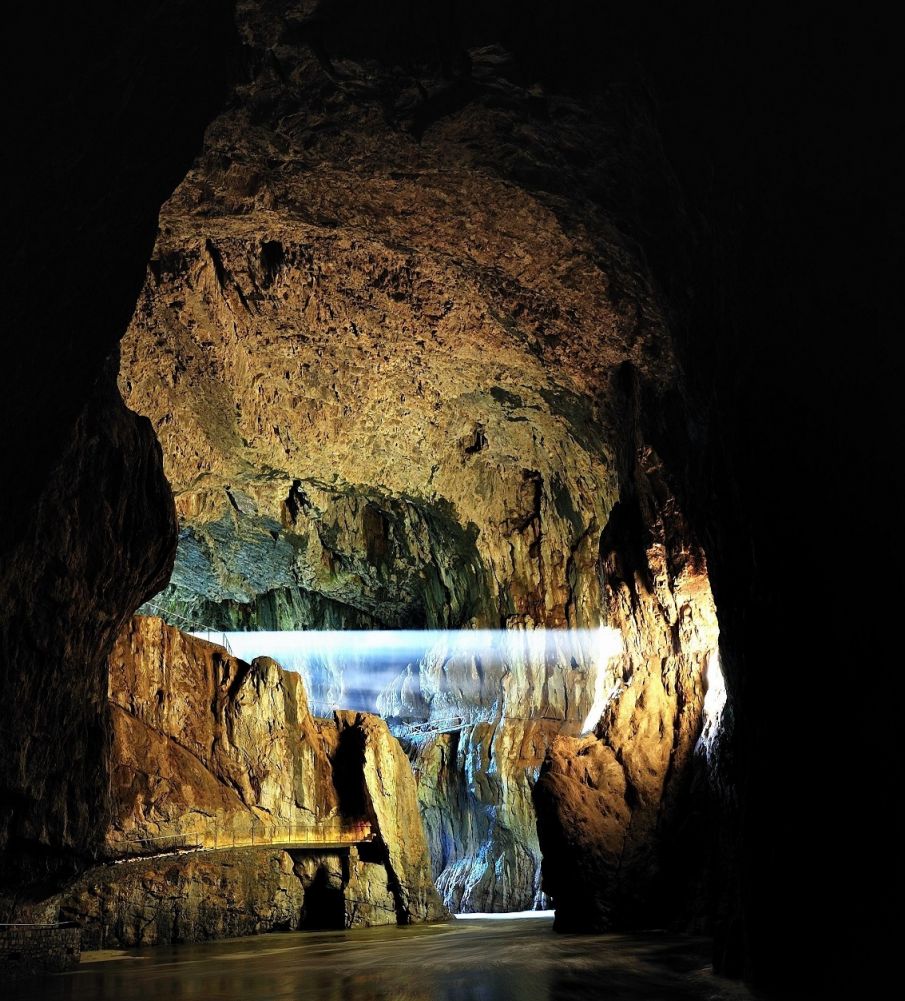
<point x="425" y="471"/>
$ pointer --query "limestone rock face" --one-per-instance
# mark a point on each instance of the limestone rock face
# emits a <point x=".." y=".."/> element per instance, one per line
<point x="185" y="899"/>
<point x="210" y="747"/>
<point x="378" y="353"/>
<point x="491" y="710"/>
<point x="608" y="802"/>
<point x="392" y="802"/>
<point x="234" y="741"/>
<point x="241" y="891"/>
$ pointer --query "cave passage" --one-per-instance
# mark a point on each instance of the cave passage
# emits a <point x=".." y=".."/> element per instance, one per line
<point x="365" y="669"/>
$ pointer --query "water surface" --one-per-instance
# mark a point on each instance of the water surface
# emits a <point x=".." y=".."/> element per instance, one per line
<point x="475" y="960"/>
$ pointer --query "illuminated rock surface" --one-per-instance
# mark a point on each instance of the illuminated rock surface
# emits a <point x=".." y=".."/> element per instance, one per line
<point x="386" y="362"/>
<point x="212" y="748"/>
<point x="611" y="803"/>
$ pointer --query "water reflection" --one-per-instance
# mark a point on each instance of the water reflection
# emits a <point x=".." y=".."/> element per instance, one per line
<point x="477" y="960"/>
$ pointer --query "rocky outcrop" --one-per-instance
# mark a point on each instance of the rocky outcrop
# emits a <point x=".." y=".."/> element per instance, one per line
<point x="185" y="899"/>
<point x="377" y="347"/>
<point x="391" y="802"/>
<point x="201" y="736"/>
<point x="213" y="750"/>
<point x="486" y="708"/>
<point x="609" y="802"/>
<point x="108" y="110"/>
<point x="243" y="891"/>
<point x="102" y="539"/>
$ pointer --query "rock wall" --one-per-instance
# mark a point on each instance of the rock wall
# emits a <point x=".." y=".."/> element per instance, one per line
<point x="782" y="446"/>
<point x="381" y="340"/>
<point x="377" y="342"/>
<point x="101" y="540"/>
<point x="242" y="891"/>
<point x="102" y="125"/>
<point x="200" y="734"/>
<point x="610" y="803"/>
<point x="392" y="803"/>
<point x="485" y="712"/>
<point x="210" y="747"/>
<point x="28" y="950"/>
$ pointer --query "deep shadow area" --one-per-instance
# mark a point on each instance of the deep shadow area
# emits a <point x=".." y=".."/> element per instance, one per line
<point x="766" y="242"/>
<point x="348" y="773"/>
<point x="324" y="906"/>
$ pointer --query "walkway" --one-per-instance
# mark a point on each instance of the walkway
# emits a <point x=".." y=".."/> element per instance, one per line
<point x="217" y="837"/>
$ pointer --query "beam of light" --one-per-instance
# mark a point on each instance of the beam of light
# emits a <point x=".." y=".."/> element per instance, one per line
<point x="609" y="646"/>
<point x="411" y="673"/>
<point x="714" y="701"/>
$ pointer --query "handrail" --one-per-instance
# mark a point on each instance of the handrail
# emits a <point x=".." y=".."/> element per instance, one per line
<point x="216" y="836"/>
<point x="39" y="924"/>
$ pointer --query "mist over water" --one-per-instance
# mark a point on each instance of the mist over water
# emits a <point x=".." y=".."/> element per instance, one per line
<point x="369" y="669"/>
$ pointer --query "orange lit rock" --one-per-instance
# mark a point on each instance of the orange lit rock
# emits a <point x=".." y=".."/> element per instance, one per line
<point x="210" y="750"/>
<point x="607" y="802"/>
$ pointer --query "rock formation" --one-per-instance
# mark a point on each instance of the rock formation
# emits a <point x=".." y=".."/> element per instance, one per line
<point x="109" y="109"/>
<point x="239" y="891"/>
<point x="89" y="555"/>
<point x="383" y="356"/>
<point x="608" y="803"/>
<point x="490" y="709"/>
<point x="215" y="751"/>
<point x="694" y="170"/>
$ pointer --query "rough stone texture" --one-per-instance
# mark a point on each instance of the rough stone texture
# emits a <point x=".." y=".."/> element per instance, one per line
<point x="29" y="950"/>
<point x="379" y="341"/>
<point x="607" y="802"/>
<point x="783" y="441"/>
<point x="207" y="746"/>
<point x="392" y="803"/>
<point x="107" y="104"/>
<point x="376" y="341"/>
<point x="92" y="554"/>
<point x="242" y="891"/>
<point x="185" y="899"/>
<point x="501" y="706"/>
<point x="200" y="734"/>
<point x="475" y="790"/>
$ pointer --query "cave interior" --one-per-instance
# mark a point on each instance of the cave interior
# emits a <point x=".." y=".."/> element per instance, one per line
<point x="460" y="423"/>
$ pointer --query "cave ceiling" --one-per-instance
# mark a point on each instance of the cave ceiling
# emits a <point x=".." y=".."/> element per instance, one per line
<point x="378" y="341"/>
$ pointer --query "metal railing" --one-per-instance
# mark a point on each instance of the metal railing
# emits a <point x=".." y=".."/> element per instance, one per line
<point x="216" y="836"/>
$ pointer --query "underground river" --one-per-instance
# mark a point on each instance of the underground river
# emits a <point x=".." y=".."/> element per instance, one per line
<point x="479" y="959"/>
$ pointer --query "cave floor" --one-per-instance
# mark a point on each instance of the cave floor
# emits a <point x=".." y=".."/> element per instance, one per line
<point x="476" y="960"/>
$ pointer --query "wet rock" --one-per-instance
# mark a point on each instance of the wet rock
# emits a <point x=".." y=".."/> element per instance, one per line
<point x="185" y="899"/>
<point x="209" y="895"/>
